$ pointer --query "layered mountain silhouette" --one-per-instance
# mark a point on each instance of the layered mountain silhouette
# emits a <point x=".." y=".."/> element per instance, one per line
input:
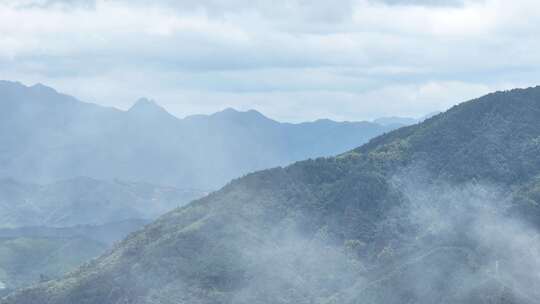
<point x="445" y="211"/>
<point x="46" y="136"/>
<point x="52" y="219"/>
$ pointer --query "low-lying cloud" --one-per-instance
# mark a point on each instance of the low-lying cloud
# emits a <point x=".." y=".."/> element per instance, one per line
<point x="444" y="243"/>
<point x="499" y="252"/>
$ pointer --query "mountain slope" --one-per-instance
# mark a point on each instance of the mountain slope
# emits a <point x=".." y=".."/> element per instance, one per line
<point x="431" y="213"/>
<point x="46" y="136"/>
<point x="32" y="254"/>
<point x="106" y="234"/>
<point x="27" y="260"/>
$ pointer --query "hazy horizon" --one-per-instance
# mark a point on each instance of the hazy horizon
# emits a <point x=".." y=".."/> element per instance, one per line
<point x="219" y="110"/>
<point x="292" y="60"/>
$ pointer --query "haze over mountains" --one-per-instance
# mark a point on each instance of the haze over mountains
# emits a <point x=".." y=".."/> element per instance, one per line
<point x="445" y="211"/>
<point x="85" y="201"/>
<point x="47" y="230"/>
<point x="46" y="136"/>
<point x="27" y="260"/>
<point x="77" y="177"/>
<point x="269" y="152"/>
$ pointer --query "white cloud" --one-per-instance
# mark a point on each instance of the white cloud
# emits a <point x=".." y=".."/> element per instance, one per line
<point x="294" y="60"/>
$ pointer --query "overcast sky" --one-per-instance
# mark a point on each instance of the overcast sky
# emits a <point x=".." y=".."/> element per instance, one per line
<point x="293" y="60"/>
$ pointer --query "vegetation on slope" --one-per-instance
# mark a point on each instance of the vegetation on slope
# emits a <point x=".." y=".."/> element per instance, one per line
<point x="26" y="260"/>
<point x="425" y="214"/>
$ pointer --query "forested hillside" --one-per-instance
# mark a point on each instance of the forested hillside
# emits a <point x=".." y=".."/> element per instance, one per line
<point x="441" y="212"/>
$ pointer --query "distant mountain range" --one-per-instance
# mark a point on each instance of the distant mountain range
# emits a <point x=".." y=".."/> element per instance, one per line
<point x="398" y="122"/>
<point x="445" y="211"/>
<point x="46" y="136"/>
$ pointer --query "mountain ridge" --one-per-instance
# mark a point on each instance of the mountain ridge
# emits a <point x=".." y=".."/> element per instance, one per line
<point x="47" y="136"/>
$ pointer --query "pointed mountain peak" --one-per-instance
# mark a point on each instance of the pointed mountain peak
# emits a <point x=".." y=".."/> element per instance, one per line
<point x="146" y="105"/>
<point x="148" y="108"/>
<point x="41" y="88"/>
<point x="40" y="85"/>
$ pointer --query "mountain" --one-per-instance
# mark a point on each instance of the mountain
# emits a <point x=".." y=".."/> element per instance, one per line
<point x="395" y="120"/>
<point x="27" y="260"/>
<point x="85" y="201"/>
<point x="29" y="255"/>
<point x="445" y="211"/>
<point x="48" y="230"/>
<point x="46" y="136"/>
<point x="105" y="234"/>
